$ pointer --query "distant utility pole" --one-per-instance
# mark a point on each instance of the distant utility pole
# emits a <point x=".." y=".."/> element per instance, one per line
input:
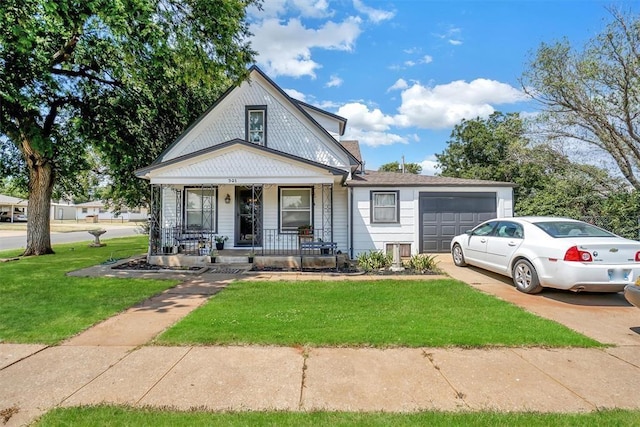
<point x="402" y="165"/>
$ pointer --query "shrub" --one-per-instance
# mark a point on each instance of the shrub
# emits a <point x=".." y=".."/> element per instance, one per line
<point x="374" y="260"/>
<point x="423" y="263"/>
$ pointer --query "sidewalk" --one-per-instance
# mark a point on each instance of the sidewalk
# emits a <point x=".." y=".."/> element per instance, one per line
<point x="108" y="363"/>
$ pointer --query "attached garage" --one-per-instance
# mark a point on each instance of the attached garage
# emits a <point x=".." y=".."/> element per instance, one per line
<point x="420" y="213"/>
<point x="444" y="215"/>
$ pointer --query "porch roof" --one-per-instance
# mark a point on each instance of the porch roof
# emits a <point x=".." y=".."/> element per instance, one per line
<point x="242" y="161"/>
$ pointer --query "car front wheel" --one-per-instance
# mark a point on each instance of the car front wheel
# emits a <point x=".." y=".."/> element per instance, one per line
<point x="525" y="278"/>
<point x="458" y="256"/>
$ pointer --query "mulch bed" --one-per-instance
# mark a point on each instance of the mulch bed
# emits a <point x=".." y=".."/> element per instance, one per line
<point x="142" y="264"/>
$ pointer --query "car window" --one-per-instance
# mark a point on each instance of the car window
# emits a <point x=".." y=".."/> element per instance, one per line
<point x="561" y="229"/>
<point x="484" y="229"/>
<point x="510" y="230"/>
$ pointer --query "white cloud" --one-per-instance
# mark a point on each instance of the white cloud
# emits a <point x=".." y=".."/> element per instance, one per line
<point x="400" y="84"/>
<point x="295" y="94"/>
<point x="285" y="48"/>
<point x="427" y="59"/>
<point x="361" y="117"/>
<point x="430" y="165"/>
<point x="370" y="127"/>
<point x="334" y="81"/>
<point x="409" y="63"/>
<point x="455" y="42"/>
<point x="373" y="138"/>
<point x="302" y="8"/>
<point x="446" y="105"/>
<point x="374" y="15"/>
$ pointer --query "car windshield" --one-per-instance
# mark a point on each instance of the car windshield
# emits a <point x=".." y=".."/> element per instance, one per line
<point x="562" y="229"/>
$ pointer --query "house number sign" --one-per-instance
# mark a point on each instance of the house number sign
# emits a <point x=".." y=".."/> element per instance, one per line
<point x="232" y="180"/>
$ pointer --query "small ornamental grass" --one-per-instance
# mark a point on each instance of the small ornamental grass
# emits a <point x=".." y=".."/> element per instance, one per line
<point x="377" y="313"/>
<point x="374" y="260"/>
<point x="423" y="263"/>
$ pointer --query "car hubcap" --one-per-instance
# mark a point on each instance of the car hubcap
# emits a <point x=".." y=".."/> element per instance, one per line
<point x="523" y="276"/>
<point x="457" y="255"/>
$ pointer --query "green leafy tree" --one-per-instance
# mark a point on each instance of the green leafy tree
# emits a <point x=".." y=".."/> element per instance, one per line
<point x="547" y="182"/>
<point x="77" y="73"/>
<point x="414" y="168"/>
<point x="592" y="96"/>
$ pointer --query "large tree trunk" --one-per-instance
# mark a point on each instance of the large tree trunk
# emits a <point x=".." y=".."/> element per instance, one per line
<point x="41" y="179"/>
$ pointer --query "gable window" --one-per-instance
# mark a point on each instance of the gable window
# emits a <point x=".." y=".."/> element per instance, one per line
<point x="385" y="207"/>
<point x="256" y="126"/>
<point x="295" y="208"/>
<point x="200" y="208"/>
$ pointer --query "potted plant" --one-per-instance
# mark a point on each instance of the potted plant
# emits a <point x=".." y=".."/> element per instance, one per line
<point x="305" y="230"/>
<point x="220" y="242"/>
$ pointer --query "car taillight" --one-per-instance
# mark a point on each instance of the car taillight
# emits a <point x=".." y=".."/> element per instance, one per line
<point x="575" y="254"/>
<point x="637" y="256"/>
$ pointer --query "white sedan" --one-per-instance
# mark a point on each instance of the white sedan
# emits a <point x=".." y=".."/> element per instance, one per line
<point x="561" y="253"/>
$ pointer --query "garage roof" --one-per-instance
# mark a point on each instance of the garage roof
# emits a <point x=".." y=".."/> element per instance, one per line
<point x="396" y="179"/>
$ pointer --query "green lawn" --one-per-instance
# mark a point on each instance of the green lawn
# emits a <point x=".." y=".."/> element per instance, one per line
<point x="39" y="304"/>
<point x="378" y="313"/>
<point x="121" y="416"/>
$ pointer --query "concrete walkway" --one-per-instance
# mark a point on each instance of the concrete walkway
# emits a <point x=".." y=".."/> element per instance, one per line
<point x="109" y="363"/>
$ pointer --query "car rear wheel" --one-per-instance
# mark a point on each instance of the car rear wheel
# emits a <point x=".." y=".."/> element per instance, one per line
<point x="458" y="256"/>
<point x="525" y="278"/>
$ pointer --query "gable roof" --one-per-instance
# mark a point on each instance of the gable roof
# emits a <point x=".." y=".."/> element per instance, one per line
<point x="396" y="179"/>
<point x="295" y="104"/>
<point x="144" y="172"/>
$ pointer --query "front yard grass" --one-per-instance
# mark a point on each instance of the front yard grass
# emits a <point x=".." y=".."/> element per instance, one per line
<point x="379" y="313"/>
<point x="40" y="304"/>
<point x="115" y="416"/>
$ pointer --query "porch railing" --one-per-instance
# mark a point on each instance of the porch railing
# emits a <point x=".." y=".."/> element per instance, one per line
<point x="167" y="241"/>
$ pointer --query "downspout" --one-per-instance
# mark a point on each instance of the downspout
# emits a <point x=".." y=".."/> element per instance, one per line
<point x="351" y="222"/>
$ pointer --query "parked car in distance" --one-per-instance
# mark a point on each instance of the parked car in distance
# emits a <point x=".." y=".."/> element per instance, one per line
<point x="17" y="217"/>
<point x="550" y="252"/>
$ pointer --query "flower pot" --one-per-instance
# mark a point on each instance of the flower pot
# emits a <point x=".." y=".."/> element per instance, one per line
<point x="220" y="246"/>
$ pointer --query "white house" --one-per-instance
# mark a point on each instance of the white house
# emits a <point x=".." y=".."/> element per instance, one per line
<point x="259" y="165"/>
<point x="97" y="210"/>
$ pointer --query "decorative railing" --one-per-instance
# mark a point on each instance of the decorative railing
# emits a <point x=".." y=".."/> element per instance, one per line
<point x="168" y="241"/>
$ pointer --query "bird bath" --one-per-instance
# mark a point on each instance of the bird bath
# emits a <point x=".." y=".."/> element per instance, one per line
<point x="96" y="234"/>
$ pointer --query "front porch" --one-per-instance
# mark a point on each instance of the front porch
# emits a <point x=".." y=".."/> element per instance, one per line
<point x="191" y="224"/>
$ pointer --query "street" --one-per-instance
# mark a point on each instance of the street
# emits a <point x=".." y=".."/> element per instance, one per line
<point x="17" y="239"/>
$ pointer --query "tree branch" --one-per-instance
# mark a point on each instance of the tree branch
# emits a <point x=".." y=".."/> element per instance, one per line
<point x="85" y="74"/>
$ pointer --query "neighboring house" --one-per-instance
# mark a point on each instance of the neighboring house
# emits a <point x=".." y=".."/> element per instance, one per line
<point x="98" y="210"/>
<point x="13" y="209"/>
<point x="259" y="165"/>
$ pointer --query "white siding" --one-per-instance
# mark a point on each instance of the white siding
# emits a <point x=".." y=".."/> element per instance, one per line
<point x="368" y="237"/>
<point x="288" y="130"/>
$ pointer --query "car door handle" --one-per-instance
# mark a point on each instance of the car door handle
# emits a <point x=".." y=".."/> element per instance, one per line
<point x="511" y="243"/>
<point x="483" y="240"/>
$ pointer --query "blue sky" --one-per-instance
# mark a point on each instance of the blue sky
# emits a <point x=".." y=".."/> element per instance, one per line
<point x="405" y="72"/>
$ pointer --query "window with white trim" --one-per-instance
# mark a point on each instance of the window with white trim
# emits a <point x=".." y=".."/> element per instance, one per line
<point x="257" y="125"/>
<point x="385" y="207"/>
<point x="295" y="208"/>
<point x="200" y="208"/>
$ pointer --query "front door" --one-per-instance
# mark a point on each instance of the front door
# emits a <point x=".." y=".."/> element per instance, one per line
<point x="248" y="216"/>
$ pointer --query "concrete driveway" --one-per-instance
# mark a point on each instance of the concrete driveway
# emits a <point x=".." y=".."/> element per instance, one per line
<point x="607" y="318"/>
